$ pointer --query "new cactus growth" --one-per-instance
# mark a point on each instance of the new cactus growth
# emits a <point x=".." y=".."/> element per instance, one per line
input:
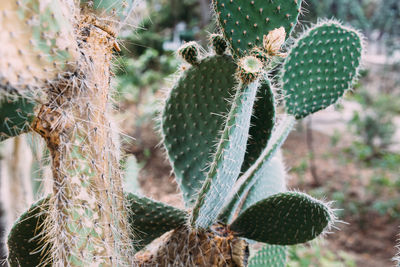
<point x="222" y="132"/>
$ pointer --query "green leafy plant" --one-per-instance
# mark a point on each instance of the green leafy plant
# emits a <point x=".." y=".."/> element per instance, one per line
<point x="222" y="132"/>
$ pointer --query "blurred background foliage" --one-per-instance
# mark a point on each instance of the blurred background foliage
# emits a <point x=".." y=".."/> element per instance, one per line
<point x="355" y="147"/>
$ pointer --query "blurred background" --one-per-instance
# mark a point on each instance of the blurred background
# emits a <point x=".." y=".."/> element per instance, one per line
<point x="349" y="154"/>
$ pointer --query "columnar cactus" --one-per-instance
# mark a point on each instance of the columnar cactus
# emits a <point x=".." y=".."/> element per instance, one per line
<point x="57" y="54"/>
<point x="222" y="132"/>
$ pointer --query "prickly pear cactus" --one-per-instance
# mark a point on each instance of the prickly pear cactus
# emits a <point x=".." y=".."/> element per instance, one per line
<point x="241" y="187"/>
<point x="321" y="67"/>
<point x="221" y="129"/>
<point x="194" y="115"/>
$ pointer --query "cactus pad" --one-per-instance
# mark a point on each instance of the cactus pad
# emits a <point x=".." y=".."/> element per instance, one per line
<point x="284" y="219"/>
<point x="262" y="124"/>
<point x="269" y="255"/>
<point x="192" y="120"/>
<point x="24" y="240"/>
<point x="244" y="23"/>
<point x="15" y="116"/>
<point x="228" y="158"/>
<point x="151" y="219"/>
<point x="321" y="67"/>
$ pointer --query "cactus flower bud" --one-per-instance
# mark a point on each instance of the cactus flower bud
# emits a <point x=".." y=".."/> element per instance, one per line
<point x="273" y="42"/>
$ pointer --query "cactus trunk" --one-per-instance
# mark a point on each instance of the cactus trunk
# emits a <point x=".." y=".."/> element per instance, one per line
<point x="87" y="220"/>
<point x="189" y="247"/>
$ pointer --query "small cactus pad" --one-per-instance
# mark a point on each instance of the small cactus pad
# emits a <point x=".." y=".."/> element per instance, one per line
<point x="262" y="124"/>
<point x="272" y="181"/>
<point x="244" y="23"/>
<point x="284" y="219"/>
<point x="15" y="116"/>
<point x="190" y="53"/>
<point x="218" y="43"/>
<point x="24" y="240"/>
<point x="320" y="68"/>
<point x="228" y="159"/>
<point x="192" y="120"/>
<point x="259" y="170"/>
<point x="38" y="41"/>
<point x="151" y="219"/>
<point x="269" y="255"/>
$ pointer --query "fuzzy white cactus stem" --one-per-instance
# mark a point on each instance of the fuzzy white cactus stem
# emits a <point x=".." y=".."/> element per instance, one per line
<point x="87" y="222"/>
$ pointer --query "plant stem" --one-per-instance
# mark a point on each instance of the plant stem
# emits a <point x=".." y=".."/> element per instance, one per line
<point x="87" y="222"/>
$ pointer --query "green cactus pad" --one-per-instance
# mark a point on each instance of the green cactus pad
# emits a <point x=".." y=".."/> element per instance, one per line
<point x="259" y="170"/>
<point x="284" y="219"/>
<point x="269" y="255"/>
<point x="192" y="120"/>
<point x="262" y="124"/>
<point x="15" y="116"/>
<point x="320" y="68"/>
<point x="151" y="219"/>
<point x="244" y="23"/>
<point x="24" y="240"/>
<point x="228" y="158"/>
